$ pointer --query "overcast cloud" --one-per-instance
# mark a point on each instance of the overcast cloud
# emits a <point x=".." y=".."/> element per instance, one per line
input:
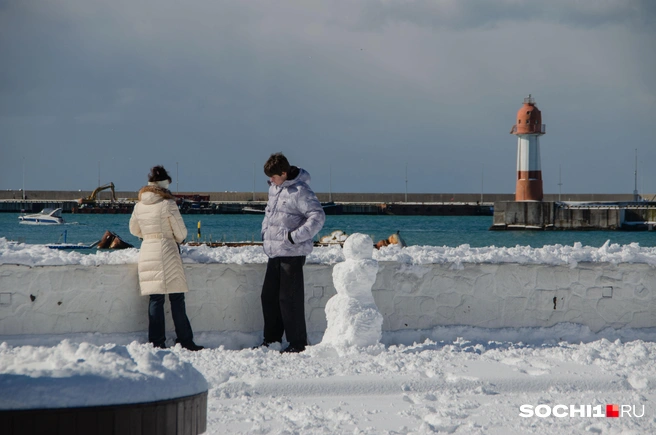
<point x="353" y="91"/>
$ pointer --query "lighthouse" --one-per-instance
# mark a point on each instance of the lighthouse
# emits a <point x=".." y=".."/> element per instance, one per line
<point x="528" y="130"/>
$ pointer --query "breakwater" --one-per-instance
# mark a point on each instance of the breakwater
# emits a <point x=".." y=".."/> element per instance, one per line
<point x="226" y="297"/>
<point x="74" y="195"/>
<point x="417" y="204"/>
<point x="257" y="207"/>
<point x="545" y="215"/>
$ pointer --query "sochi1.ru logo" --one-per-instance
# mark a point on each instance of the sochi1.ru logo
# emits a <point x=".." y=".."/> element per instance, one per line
<point x="560" y="411"/>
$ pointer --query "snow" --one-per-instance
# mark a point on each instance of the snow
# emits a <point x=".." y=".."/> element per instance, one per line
<point x="449" y="379"/>
<point x="452" y="379"/>
<point x="40" y="255"/>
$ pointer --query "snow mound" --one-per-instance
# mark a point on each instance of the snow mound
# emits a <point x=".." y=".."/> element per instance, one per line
<point x="82" y="374"/>
<point x="40" y="255"/>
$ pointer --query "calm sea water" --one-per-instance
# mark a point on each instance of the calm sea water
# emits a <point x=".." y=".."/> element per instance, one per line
<point x="416" y="230"/>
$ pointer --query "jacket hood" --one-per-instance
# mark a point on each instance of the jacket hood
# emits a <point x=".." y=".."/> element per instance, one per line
<point x="152" y="194"/>
<point x="302" y="177"/>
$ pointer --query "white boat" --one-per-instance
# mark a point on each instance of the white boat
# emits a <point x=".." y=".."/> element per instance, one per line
<point x="252" y="210"/>
<point x="48" y="216"/>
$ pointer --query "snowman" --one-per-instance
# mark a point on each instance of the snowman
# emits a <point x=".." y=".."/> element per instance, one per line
<point x="352" y="315"/>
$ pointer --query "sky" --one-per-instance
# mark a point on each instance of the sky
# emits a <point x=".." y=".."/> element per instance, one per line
<point x="369" y="95"/>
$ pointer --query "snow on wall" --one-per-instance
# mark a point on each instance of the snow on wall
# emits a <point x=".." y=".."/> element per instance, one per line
<point x="226" y="297"/>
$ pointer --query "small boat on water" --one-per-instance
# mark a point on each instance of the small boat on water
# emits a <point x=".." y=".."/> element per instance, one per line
<point x="255" y="210"/>
<point x="335" y="238"/>
<point x="252" y="210"/>
<point x="109" y="240"/>
<point x="69" y="245"/>
<point x="48" y="216"/>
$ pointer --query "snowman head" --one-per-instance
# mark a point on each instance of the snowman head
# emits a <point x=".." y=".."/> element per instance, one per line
<point x="358" y="247"/>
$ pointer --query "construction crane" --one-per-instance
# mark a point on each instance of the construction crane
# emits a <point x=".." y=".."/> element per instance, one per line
<point x="91" y="199"/>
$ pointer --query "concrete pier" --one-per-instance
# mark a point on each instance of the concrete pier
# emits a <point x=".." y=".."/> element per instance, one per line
<point x="411" y="204"/>
<point x="543" y="215"/>
<point x="242" y="207"/>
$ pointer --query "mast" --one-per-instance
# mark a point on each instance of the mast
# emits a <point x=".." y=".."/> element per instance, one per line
<point x="330" y="183"/>
<point x="560" y="182"/>
<point x="635" y="174"/>
<point x="406" y="182"/>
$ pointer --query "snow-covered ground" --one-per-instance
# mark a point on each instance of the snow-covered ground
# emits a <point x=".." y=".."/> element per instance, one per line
<point x="451" y="380"/>
<point x="444" y="380"/>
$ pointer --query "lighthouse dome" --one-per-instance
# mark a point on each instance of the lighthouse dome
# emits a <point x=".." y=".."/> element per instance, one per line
<point x="529" y="119"/>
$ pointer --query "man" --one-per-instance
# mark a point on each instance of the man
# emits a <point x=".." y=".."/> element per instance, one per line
<point x="292" y="218"/>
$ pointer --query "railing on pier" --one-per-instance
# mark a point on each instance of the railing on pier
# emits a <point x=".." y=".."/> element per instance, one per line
<point x="529" y="129"/>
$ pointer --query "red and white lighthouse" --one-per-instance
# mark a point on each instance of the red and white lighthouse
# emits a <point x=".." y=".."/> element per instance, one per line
<point x="528" y="130"/>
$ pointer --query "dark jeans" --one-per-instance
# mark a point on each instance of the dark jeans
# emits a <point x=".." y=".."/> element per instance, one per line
<point x="156" y="328"/>
<point x="283" y="301"/>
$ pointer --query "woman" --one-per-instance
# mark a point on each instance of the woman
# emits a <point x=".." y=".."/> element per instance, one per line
<point x="157" y="221"/>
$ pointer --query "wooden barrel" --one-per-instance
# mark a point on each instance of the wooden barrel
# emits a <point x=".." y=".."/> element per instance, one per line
<point x="180" y="416"/>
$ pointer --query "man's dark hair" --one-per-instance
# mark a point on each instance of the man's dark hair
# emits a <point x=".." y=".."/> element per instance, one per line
<point x="158" y="173"/>
<point x="276" y="165"/>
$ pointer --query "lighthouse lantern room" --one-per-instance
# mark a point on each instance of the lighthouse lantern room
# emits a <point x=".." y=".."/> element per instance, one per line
<point x="528" y="130"/>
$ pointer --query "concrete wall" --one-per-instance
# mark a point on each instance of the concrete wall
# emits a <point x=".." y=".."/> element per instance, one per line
<point x="523" y="214"/>
<point x="225" y="297"/>
<point x="551" y="215"/>
<point x="577" y="219"/>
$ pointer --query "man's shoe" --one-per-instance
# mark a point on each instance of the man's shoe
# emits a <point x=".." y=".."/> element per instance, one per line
<point x="190" y="345"/>
<point x="293" y="349"/>
<point x="265" y="343"/>
<point x="159" y="345"/>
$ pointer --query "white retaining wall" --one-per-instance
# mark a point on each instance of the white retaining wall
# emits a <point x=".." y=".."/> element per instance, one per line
<point x="226" y="297"/>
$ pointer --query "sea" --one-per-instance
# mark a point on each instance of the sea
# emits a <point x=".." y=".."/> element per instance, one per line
<point x="451" y="231"/>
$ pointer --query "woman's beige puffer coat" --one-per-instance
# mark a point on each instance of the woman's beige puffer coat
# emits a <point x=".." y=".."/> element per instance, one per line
<point x="156" y="219"/>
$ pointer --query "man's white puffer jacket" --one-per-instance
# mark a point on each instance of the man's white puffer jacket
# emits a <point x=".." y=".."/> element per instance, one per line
<point x="293" y="211"/>
<point x="156" y="219"/>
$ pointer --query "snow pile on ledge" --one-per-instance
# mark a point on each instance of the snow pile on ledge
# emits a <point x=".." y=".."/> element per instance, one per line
<point x="82" y="374"/>
<point x="40" y="255"/>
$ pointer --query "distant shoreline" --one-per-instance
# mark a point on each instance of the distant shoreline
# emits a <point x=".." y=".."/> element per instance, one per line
<point x="471" y="198"/>
<point x="413" y="204"/>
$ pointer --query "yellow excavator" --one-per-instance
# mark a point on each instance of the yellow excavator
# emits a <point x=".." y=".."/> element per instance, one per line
<point x="91" y="199"/>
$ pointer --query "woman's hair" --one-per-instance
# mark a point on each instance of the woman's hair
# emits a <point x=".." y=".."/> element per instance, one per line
<point x="276" y="165"/>
<point x="158" y="173"/>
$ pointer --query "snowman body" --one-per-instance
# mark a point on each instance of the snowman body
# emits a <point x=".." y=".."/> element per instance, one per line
<point x="352" y="315"/>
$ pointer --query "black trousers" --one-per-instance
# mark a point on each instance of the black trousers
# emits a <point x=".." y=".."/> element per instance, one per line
<point x="283" y="301"/>
<point x="156" y="327"/>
